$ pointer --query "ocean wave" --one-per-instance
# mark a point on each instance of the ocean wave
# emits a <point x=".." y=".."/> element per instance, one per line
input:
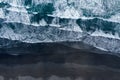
<point x="36" y="21"/>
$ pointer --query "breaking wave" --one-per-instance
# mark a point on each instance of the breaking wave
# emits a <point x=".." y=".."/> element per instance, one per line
<point x="95" y="22"/>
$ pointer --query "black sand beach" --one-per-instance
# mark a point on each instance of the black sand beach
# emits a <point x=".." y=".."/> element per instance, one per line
<point x="58" y="61"/>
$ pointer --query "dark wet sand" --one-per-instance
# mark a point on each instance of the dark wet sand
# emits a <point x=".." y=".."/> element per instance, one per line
<point x="55" y="61"/>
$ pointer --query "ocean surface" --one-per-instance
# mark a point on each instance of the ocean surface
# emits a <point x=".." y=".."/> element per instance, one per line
<point x="59" y="39"/>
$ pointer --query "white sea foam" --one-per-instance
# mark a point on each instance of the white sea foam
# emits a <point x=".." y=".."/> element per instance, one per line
<point x="2" y="14"/>
<point x="17" y="9"/>
<point x="68" y="12"/>
<point x="107" y="35"/>
<point x="70" y="9"/>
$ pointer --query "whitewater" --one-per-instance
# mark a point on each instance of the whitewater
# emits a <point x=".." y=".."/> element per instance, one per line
<point x="94" y="22"/>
